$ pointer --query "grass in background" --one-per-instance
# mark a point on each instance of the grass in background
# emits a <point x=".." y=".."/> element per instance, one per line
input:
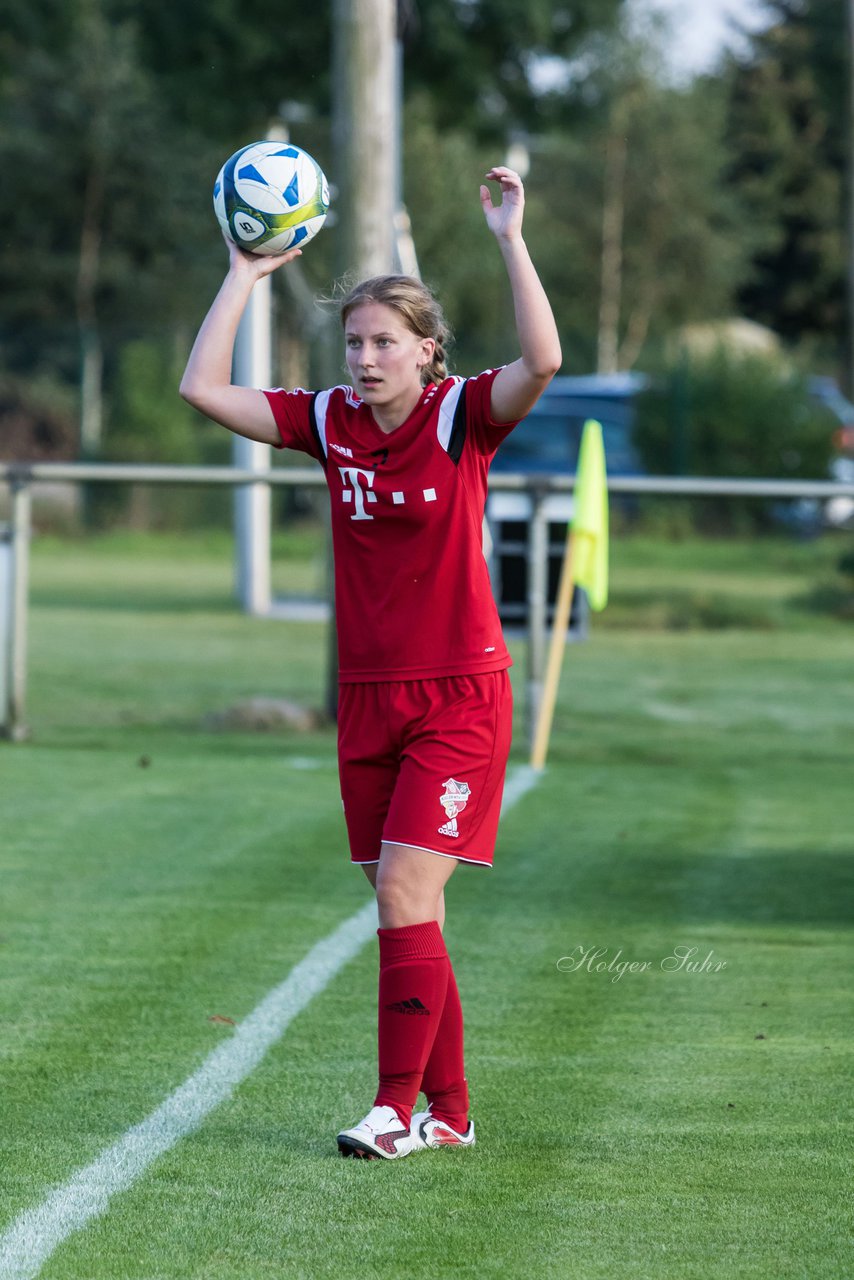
<point x="661" y="1124"/>
<point x="694" y="583"/>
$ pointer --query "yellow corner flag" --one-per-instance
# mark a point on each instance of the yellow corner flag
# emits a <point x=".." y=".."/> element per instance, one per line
<point x="590" y="518"/>
<point x="585" y="563"/>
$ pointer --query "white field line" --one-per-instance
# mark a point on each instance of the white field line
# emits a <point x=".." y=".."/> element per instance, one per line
<point x="30" y="1240"/>
<point x="669" y="712"/>
<point x="519" y="784"/>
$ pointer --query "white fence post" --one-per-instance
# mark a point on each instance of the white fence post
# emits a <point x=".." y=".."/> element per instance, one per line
<point x="252" y="504"/>
<point x="14" y="592"/>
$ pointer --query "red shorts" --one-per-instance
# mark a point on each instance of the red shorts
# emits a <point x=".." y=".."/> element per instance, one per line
<point x="422" y="764"/>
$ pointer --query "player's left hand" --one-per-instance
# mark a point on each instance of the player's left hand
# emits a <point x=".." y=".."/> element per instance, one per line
<point x="504" y="220"/>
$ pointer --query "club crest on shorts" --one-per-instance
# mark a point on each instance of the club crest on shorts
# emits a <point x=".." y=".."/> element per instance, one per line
<point x="453" y="801"/>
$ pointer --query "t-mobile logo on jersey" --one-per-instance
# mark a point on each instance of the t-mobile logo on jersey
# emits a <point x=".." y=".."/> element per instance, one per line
<point x="359" y="489"/>
<point x="358" y="486"/>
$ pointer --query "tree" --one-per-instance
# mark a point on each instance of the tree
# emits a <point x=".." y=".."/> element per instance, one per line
<point x="225" y="66"/>
<point x="786" y="129"/>
<point x="457" y="255"/>
<point x="482" y="61"/>
<point x="684" y="239"/>
<point x="639" y="233"/>
<point x="96" y="202"/>
<point x="117" y="116"/>
<point x="223" y="69"/>
<point x="724" y="413"/>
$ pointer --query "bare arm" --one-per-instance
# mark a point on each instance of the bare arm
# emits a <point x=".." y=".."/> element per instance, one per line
<point x="519" y="385"/>
<point x="206" y="383"/>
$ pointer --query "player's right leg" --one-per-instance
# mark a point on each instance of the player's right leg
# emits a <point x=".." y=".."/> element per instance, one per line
<point x="443" y="1081"/>
<point x="369" y="763"/>
<point x="413" y="981"/>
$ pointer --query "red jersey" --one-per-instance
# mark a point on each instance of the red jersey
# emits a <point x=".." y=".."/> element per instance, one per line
<point x="412" y="593"/>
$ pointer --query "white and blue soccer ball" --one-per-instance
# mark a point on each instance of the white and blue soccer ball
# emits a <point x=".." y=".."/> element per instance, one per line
<point x="270" y="197"/>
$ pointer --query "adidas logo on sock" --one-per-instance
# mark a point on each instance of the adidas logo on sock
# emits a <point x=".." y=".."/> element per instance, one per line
<point x="409" y="1006"/>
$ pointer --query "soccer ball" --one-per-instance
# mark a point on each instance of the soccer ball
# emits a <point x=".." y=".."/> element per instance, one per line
<point x="270" y="197"/>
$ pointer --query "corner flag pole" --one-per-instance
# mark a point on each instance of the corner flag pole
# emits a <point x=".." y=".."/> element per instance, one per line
<point x="557" y="644"/>
<point x="585" y="562"/>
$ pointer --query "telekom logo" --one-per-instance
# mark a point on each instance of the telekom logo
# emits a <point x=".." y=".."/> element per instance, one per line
<point x="358" y="486"/>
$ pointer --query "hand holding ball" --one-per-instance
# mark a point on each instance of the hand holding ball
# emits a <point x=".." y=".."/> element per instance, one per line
<point x="271" y="197"/>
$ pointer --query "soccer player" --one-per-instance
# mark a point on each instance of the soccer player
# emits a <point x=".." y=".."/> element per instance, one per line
<point x="424" y="704"/>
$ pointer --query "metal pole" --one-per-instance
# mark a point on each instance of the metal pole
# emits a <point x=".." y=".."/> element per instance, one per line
<point x="311" y="476"/>
<point x="538" y="558"/>
<point x="252" y="367"/>
<point x="14" y="725"/>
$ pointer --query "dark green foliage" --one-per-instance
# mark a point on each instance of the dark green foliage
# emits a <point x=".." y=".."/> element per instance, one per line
<point x="149" y="422"/>
<point x="742" y="415"/>
<point x="116" y="117"/>
<point x="787" y="135"/>
<point x="146" y="418"/>
<point x="726" y="414"/>
<point x="683" y="247"/>
<point x="91" y="145"/>
<point x="36" y="419"/>
<point x="478" y="58"/>
<point x="834" y="593"/>
<point x="457" y="255"/>
<point x="224" y="68"/>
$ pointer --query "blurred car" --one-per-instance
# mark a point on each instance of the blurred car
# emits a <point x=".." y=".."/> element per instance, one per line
<point x="826" y="391"/>
<point x="809" y="514"/>
<point x="546" y="442"/>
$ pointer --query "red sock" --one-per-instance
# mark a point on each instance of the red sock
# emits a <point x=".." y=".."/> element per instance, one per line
<point x="444" y="1081"/>
<point x="413" y="981"/>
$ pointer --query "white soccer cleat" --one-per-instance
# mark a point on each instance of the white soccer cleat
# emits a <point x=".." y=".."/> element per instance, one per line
<point x="429" y="1132"/>
<point x="379" y="1136"/>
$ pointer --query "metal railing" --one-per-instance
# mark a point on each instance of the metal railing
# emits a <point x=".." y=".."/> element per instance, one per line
<point x="14" y="546"/>
<point x="19" y="474"/>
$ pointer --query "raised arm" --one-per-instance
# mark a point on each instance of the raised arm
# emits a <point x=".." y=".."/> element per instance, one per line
<point x="519" y="385"/>
<point x="206" y="383"/>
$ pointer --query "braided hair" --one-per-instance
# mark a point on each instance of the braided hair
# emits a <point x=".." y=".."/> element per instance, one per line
<point x="416" y="305"/>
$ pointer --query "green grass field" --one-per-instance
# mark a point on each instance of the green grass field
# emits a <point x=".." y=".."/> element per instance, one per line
<point x="665" y="1124"/>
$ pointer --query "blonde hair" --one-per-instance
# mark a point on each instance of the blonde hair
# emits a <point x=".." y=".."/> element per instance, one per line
<point x="418" y="308"/>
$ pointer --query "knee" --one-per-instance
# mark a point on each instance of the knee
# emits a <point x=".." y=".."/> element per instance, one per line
<point x="398" y="904"/>
<point x="394" y="904"/>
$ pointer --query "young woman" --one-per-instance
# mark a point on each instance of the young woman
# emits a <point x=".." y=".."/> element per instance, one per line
<point x="425" y="706"/>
